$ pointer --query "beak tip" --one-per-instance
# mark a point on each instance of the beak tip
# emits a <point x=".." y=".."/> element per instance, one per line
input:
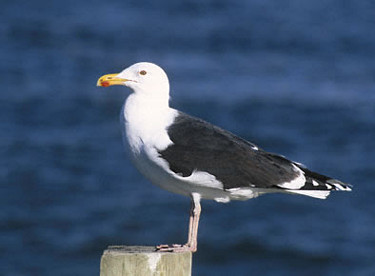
<point x="110" y="79"/>
<point x="104" y="84"/>
<point x="99" y="82"/>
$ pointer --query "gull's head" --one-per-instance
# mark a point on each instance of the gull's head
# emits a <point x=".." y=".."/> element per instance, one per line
<point x="143" y="78"/>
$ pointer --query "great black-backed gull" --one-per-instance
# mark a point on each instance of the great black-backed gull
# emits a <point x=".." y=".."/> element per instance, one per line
<point x="191" y="157"/>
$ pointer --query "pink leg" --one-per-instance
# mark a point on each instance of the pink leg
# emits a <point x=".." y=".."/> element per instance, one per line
<point x="192" y="243"/>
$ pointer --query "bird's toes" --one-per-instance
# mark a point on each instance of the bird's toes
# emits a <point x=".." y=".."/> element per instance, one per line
<point x="175" y="248"/>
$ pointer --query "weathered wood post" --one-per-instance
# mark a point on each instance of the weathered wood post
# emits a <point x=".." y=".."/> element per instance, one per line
<point x="144" y="261"/>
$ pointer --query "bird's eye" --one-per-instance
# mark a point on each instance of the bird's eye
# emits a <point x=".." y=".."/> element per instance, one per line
<point x="143" y="72"/>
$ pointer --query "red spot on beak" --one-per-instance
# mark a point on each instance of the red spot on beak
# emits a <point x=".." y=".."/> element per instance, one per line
<point x="104" y="83"/>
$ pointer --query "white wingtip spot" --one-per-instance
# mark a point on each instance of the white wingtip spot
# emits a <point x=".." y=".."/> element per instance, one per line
<point x="341" y="187"/>
<point x="315" y="183"/>
<point x="329" y="187"/>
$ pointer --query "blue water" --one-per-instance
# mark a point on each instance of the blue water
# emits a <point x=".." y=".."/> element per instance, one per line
<point x="295" y="77"/>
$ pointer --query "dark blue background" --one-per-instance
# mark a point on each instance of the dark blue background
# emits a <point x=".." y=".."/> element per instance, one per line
<point x="295" y="77"/>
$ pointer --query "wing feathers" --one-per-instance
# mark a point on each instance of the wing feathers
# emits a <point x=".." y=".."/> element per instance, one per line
<point x="237" y="163"/>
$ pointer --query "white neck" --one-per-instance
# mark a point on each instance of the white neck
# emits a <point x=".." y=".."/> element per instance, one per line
<point x="146" y="120"/>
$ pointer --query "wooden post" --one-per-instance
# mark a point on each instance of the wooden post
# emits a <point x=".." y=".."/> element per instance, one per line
<point x="144" y="261"/>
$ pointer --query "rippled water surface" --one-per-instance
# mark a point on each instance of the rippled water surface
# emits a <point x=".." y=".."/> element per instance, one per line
<point x="295" y="77"/>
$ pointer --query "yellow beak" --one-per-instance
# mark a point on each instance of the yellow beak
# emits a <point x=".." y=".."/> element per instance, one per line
<point x="110" y="79"/>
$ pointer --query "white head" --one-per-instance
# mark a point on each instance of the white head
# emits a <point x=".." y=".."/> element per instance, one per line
<point x="144" y="78"/>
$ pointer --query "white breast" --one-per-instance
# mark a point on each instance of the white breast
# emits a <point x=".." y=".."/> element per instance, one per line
<point x="145" y="122"/>
<point x="144" y="126"/>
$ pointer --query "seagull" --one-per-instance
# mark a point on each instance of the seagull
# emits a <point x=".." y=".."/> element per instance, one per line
<point x="191" y="157"/>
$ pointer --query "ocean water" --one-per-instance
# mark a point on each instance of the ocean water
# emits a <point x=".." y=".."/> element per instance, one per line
<point x="295" y="77"/>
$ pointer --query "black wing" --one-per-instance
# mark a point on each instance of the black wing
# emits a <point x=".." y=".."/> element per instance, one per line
<point x="198" y="145"/>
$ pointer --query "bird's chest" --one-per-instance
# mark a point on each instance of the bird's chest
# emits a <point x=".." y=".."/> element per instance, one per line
<point x="144" y="128"/>
<point x="143" y="146"/>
